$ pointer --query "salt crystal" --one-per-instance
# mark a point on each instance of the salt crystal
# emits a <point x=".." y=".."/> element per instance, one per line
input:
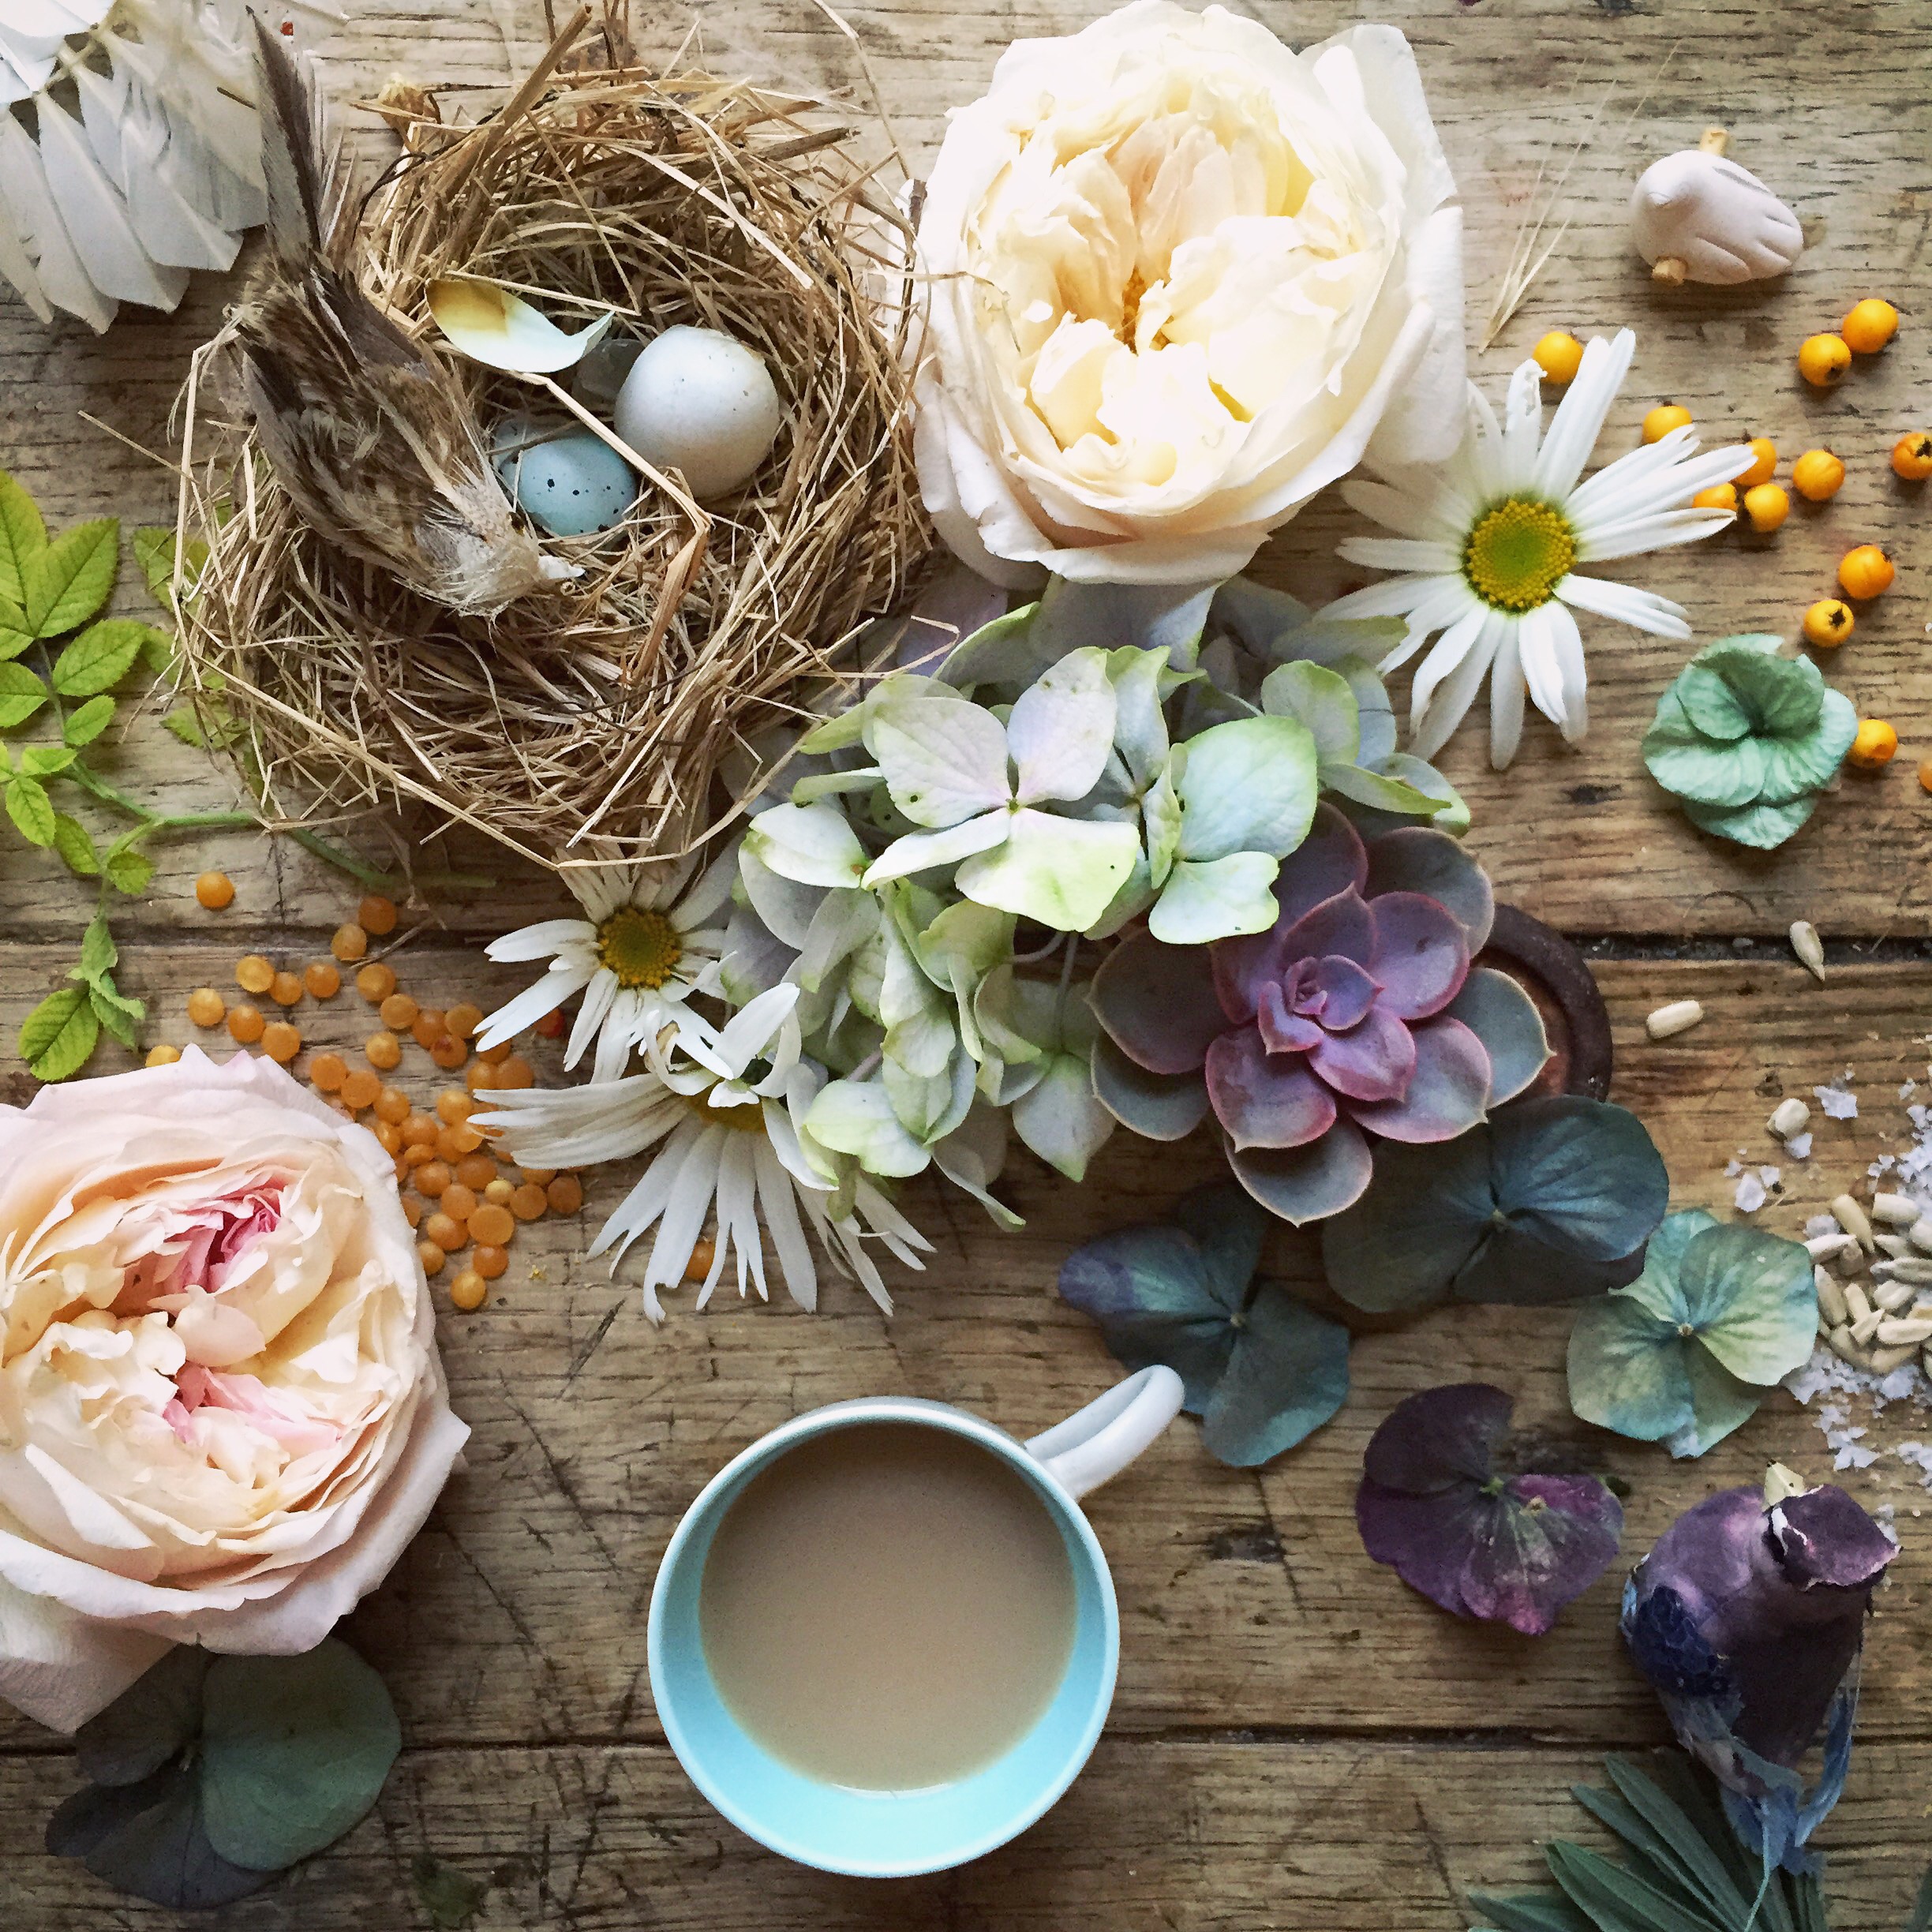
<point x="1899" y="1384"/>
<point x="1838" y="1104"/>
<point x="1909" y="1088"/>
<point x="1853" y="1456"/>
<point x="1769" y="1175"/>
<point x="1750" y="1194"/>
<point x="1733" y="1169"/>
<point x="1821" y="1225"/>
<point x="1799" y="1146"/>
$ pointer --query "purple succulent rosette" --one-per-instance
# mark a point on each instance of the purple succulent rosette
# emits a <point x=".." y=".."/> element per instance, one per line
<point x="1748" y="1618"/>
<point x="1508" y="1549"/>
<point x="1357" y="1014"/>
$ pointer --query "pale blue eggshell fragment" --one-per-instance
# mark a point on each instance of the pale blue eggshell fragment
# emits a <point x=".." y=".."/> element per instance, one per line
<point x="567" y="481"/>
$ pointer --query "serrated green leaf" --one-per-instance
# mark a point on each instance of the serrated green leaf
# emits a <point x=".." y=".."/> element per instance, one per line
<point x="75" y="844"/>
<point x="100" y="656"/>
<point x="23" y="534"/>
<point x="128" y="870"/>
<point x="31" y="811"/>
<point x="59" y="1035"/>
<point x="13" y="640"/>
<point x="183" y="723"/>
<point x="21" y="695"/>
<point x="154" y="551"/>
<point x="99" y="953"/>
<point x="86" y="722"/>
<point x="66" y="584"/>
<point x="119" y="1017"/>
<point x="44" y="761"/>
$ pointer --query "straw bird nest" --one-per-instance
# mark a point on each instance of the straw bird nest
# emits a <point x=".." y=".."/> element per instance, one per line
<point x="593" y="722"/>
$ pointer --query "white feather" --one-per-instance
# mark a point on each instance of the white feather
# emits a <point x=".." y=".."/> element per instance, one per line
<point x="104" y="108"/>
<point x="17" y="267"/>
<point x="24" y="188"/>
<point x="162" y="183"/>
<point x="97" y="216"/>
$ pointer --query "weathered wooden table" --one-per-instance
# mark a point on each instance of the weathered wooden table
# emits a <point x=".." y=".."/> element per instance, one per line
<point x="1298" y="1740"/>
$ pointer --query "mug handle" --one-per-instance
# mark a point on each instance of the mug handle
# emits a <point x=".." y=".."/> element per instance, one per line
<point x="1094" y="1446"/>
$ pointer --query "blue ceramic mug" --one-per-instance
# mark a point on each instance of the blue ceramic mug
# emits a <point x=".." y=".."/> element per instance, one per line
<point x="887" y="1834"/>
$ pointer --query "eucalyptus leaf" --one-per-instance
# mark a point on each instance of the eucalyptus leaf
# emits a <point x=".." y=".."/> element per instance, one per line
<point x="1261" y="1371"/>
<point x="158" y="1716"/>
<point x="67" y="582"/>
<point x="1550" y="1198"/>
<point x="451" y="1897"/>
<point x="150" y="1839"/>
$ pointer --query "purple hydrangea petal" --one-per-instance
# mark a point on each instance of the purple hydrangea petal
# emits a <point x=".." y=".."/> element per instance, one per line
<point x="1346" y="990"/>
<point x="1157" y="1003"/>
<point x="1265" y="1100"/>
<point x="1309" y="1183"/>
<point x="1425" y="1539"/>
<point x="1373" y="1061"/>
<point x="1418" y="859"/>
<point x="1825" y="1536"/>
<point x="1158" y="1107"/>
<point x="1448" y="1094"/>
<point x="1540" y="1542"/>
<point x="1283" y="1031"/>
<point x="1421" y="957"/>
<point x="1448" y="1436"/>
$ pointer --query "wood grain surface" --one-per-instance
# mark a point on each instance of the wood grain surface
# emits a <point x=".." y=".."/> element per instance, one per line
<point x="1298" y="1739"/>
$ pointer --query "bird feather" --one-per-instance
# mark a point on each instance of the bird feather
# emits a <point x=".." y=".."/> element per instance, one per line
<point x="24" y="188"/>
<point x="95" y="213"/>
<point x="288" y="154"/>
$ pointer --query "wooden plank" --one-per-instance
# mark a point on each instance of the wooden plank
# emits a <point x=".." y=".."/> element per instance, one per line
<point x="1260" y="1835"/>
<point x="1240" y="1593"/>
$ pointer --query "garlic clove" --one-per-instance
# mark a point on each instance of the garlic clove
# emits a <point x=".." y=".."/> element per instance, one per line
<point x="1718" y="220"/>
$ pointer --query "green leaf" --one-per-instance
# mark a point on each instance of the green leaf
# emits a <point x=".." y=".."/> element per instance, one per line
<point x="99" y="953"/>
<point x="75" y="844"/>
<point x="21" y="695"/>
<point x="128" y="870"/>
<point x="1762" y="827"/>
<point x="59" y="1035"/>
<point x="44" y="761"/>
<point x="86" y="722"/>
<point x="150" y="1839"/>
<point x="31" y="811"/>
<point x="119" y="1017"/>
<point x="183" y="723"/>
<point x="1322" y="700"/>
<point x="66" y="584"/>
<point x="1216" y="899"/>
<point x="944" y="756"/>
<point x="1248" y="786"/>
<point x="13" y="638"/>
<point x="23" y="535"/>
<point x="1062" y="872"/>
<point x="856" y="1117"/>
<point x="1921" y="1920"/>
<point x="154" y="551"/>
<point x="147" y="1723"/>
<point x="295" y="1751"/>
<point x="811" y="844"/>
<point x="451" y="1897"/>
<point x="100" y="656"/>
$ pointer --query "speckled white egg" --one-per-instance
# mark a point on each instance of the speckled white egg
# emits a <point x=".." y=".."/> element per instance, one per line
<point x="569" y="482"/>
<point x="698" y="402"/>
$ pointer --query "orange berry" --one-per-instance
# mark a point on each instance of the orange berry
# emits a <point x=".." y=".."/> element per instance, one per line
<point x="412" y="1208"/>
<point x="1911" y="456"/>
<point x="516" y="1072"/>
<point x="458" y="1201"/>
<point x="215" y="891"/>
<point x="565" y="1194"/>
<point x="286" y="989"/>
<point x="1870" y="325"/>
<point x="350" y="943"/>
<point x="494" y="1224"/>
<point x="359" y="1088"/>
<point x="399" y="1013"/>
<point x="206" y="1007"/>
<point x="253" y="974"/>
<point x="1925" y="776"/>
<point x="463" y="1019"/>
<point x="1818" y="474"/>
<point x="1763" y="464"/>
<point x="420" y="1130"/>
<point x="246" y="1022"/>
<point x="1822" y="360"/>
<point x="541" y="1176"/>
<point x="377" y="914"/>
<point x="385" y="1051"/>
<point x="469" y="1291"/>
<point x="432" y="1178"/>
<point x="702" y="1254"/>
<point x="375" y="981"/>
<point x="323" y="977"/>
<point x="1719" y="496"/>
<point x="1661" y="421"/>
<point x="447" y="1051"/>
<point x="427" y="1024"/>
<point x="162" y="1055"/>
<point x="490" y="1261"/>
<point x="1827" y="622"/>
<point x="432" y="1257"/>
<point x="393" y="1104"/>
<point x="1560" y="355"/>
<point x="528" y="1203"/>
<point x="551" y="1025"/>
<point x="454" y="1107"/>
<point x="494" y="1056"/>
<point x="391" y="1136"/>
<point x="447" y="1233"/>
<point x="415" y="1155"/>
<point x="1874" y="746"/>
<point x="281" y="1041"/>
<point x="476" y="1170"/>
<point x="1767" y="506"/>
<point x="454" y="1142"/>
<point x="1865" y="572"/>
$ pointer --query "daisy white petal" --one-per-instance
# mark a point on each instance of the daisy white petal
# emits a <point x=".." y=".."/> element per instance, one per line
<point x="1579" y="418"/>
<point x="540" y="941"/>
<point x="599" y="997"/>
<point x="1437" y="516"/>
<point x="737" y="1219"/>
<point x="1536" y="640"/>
<point x="1522" y="426"/>
<point x="1637" y="536"/>
<point x="1506" y="699"/>
<point x="1442" y="601"/>
<point x="1399" y="553"/>
<point x="781" y="1200"/>
<point x="1392" y="599"/>
<point x="1457" y="692"/>
<point x="710" y="894"/>
<point x="533" y="1003"/>
<point x="1568" y="643"/>
<point x="1451" y="648"/>
<point x="1642" y="610"/>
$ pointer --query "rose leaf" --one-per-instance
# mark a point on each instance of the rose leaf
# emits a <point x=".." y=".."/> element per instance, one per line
<point x="295" y="1752"/>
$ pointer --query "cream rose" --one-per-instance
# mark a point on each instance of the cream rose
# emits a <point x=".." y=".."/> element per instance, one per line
<point x="1180" y="278"/>
<point x="223" y="1417"/>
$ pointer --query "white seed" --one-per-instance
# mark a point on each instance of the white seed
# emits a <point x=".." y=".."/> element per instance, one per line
<point x="1790" y="1117"/>
<point x="1679" y="1017"/>
<point x="1852" y="1261"/>
<point x="1902" y="1329"/>
<point x="1839" y="1341"/>
<point x="1895" y="1210"/>
<point x="1919" y="1234"/>
<point x="1865" y="1328"/>
<point x="1883" y="1361"/>
<point x="1830" y="1298"/>
<point x="1895" y="1247"/>
<point x="1851" y="1217"/>
<point x="1893" y="1295"/>
<point x="1856" y="1301"/>
<point x="1828" y="1247"/>
<point x="1811" y="951"/>
<point x="1917" y="1270"/>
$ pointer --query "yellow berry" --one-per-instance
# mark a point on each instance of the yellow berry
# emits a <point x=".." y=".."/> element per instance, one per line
<point x="1925" y="776"/>
<point x="1719" y="496"/>
<point x="215" y="891"/>
<point x="246" y="1023"/>
<point x="1827" y="622"/>
<point x="1767" y="506"/>
<point x="469" y="1291"/>
<point x="377" y="914"/>
<point x="1560" y="355"/>
<point x="383" y="1051"/>
<point x="1822" y="360"/>
<point x="489" y="1261"/>
<point x="281" y="1041"/>
<point x="348" y="944"/>
<point x="1818" y="474"/>
<point x="496" y="1190"/>
<point x="1865" y="572"/>
<point x="206" y="1007"/>
<point x="1873" y="746"/>
<point x="359" y="1088"/>
<point x="253" y="974"/>
<point x="163" y="1054"/>
<point x="327" y="1071"/>
<point x="1870" y="325"/>
<point x="376" y="981"/>
<point x="1911" y="456"/>
<point x="1763" y="463"/>
<point x="432" y="1257"/>
<point x="1662" y="420"/>
<point x="323" y="977"/>
<point x="285" y="989"/>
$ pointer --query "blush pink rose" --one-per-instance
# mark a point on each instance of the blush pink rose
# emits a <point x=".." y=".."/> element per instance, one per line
<point x="223" y="1417"/>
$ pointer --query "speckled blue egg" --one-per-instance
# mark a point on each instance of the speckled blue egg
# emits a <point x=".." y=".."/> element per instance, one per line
<point x="571" y="484"/>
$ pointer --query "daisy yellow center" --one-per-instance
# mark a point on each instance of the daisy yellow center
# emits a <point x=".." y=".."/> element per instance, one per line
<point x="747" y="1117"/>
<point x="641" y="948"/>
<point x="1517" y="554"/>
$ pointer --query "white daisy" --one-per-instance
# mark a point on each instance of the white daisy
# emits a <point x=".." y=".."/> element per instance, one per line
<point x="1489" y="541"/>
<point x="728" y="1139"/>
<point x="638" y="957"/>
